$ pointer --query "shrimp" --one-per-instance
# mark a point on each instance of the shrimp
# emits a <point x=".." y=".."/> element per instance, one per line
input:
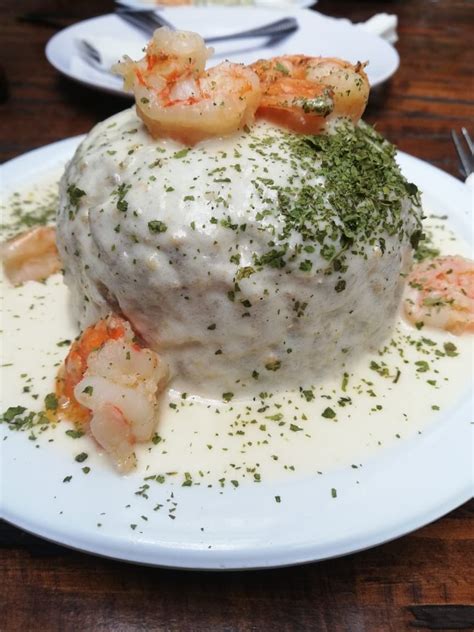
<point x="440" y="293"/>
<point x="176" y="97"/>
<point x="111" y="383"/>
<point x="305" y="93"/>
<point x="31" y="256"/>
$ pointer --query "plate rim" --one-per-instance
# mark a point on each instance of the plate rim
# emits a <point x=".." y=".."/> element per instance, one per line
<point x="113" y="554"/>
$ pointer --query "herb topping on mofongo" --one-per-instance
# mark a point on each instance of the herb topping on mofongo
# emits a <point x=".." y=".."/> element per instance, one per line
<point x="283" y="241"/>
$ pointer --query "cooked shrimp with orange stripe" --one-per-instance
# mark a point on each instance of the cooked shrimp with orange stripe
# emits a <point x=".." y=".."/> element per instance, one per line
<point x="31" y="255"/>
<point x="177" y="98"/>
<point x="306" y="94"/>
<point x="111" y="385"/>
<point x="440" y="293"/>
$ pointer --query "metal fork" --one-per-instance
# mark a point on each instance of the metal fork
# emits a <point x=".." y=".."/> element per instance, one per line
<point x="89" y="53"/>
<point x="91" y="56"/>
<point x="465" y="151"/>
<point x="148" y="21"/>
<point x="274" y="32"/>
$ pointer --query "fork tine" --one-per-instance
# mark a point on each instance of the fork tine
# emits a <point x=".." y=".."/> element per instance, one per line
<point x="136" y="21"/>
<point x="91" y="56"/>
<point x="90" y="50"/>
<point x="281" y="27"/>
<point x="145" y="20"/>
<point x="148" y="21"/>
<point x="469" y="142"/>
<point x="463" y="157"/>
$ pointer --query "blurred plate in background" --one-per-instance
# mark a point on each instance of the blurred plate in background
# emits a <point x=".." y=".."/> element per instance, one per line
<point x="279" y="4"/>
<point x="317" y="35"/>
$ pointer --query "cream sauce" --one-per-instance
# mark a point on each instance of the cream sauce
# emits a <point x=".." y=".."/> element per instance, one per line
<point x="272" y="437"/>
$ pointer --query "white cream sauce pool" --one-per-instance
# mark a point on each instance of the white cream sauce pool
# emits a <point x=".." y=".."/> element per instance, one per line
<point x="337" y="423"/>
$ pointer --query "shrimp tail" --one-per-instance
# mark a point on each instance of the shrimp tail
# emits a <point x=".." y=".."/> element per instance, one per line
<point x="31" y="256"/>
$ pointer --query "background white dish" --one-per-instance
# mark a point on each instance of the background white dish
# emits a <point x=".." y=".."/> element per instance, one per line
<point x="398" y="490"/>
<point x="277" y="4"/>
<point x="317" y="35"/>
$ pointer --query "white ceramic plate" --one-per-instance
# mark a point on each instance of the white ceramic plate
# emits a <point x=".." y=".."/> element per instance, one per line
<point x="317" y="35"/>
<point x="399" y="489"/>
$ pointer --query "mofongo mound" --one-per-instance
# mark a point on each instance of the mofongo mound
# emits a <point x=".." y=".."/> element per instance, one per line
<point x="259" y="261"/>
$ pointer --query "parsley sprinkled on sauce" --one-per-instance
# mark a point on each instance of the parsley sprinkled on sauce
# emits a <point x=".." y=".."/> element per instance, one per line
<point x="181" y="153"/>
<point x="273" y="365"/>
<point x="306" y="265"/>
<point x="328" y="413"/>
<point x="345" y="382"/>
<point x="75" y="194"/>
<point x="156" y="226"/>
<point x="63" y="343"/>
<point x="27" y="213"/>
<point x="422" y="365"/>
<point x="13" y="412"/>
<point x="450" y="349"/>
<point x="188" y="480"/>
<point x="121" y="192"/>
<point x="51" y="402"/>
<point x="340" y="285"/>
<point x="74" y="434"/>
<point x="244" y="273"/>
<point x="424" y="249"/>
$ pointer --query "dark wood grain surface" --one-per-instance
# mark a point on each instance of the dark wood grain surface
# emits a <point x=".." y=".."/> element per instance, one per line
<point x="422" y="581"/>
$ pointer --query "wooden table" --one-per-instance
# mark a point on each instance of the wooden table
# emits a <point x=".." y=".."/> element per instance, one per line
<point x="422" y="580"/>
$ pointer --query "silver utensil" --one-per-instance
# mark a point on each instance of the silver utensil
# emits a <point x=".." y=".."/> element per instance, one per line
<point x="89" y="53"/>
<point x="144" y="20"/>
<point x="91" y="56"/>
<point x="465" y="151"/>
<point x="148" y="21"/>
